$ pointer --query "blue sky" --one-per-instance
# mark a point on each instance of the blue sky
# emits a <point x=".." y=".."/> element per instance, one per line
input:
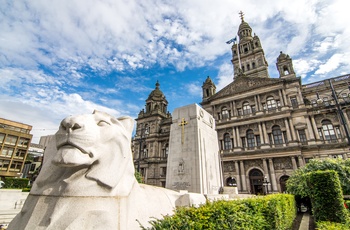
<point x="67" y="57"/>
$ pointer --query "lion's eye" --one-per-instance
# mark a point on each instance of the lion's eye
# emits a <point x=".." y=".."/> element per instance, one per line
<point x="103" y="123"/>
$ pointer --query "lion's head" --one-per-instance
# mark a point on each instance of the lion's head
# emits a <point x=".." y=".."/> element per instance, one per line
<point x="97" y="144"/>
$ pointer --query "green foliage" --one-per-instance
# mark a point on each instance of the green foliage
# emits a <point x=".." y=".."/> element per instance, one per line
<point x="327" y="225"/>
<point x="138" y="177"/>
<point x="296" y="184"/>
<point x="20" y="183"/>
<point x="265" y="213"/>
<point x="326" y="196"/>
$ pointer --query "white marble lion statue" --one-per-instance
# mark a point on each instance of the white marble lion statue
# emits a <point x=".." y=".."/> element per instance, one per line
<point x="87" y="181"/>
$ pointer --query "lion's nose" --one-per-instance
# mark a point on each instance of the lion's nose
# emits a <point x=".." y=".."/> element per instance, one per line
<point x="70" y="124"/>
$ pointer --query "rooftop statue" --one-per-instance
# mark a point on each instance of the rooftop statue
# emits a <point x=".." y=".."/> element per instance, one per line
<point x="87" y="180"/>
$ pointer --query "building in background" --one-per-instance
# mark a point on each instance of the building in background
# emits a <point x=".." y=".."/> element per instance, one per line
<point x="267" y="127"/>
<point x="15" y="140"/>
<point x="151" y="142"/>
<point x="33" y="161"/>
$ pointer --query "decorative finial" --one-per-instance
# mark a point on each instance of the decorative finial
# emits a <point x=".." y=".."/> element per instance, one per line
<point x="241" y="15"/>
<point x="157" y="85"/>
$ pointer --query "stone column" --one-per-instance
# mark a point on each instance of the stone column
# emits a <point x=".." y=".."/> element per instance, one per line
<point x="266" y="172"/>
<point x="301" y="162"/>
<point x="284" y="97"/>
<point x="234" y="110"/>
<point x="261" y="134"/>
<point x="292" y="129"/>
<point x="314" y="127"/>
<point x="244" y="182"/>
<point x="309" y="128"/>
<point x="288" y="129"/>
<point x="239" y="142"/>
<point x="265" y="132"/>
<point x="281" y="97"/>
<point x="273" y="176"/>
<point x="239" y="185"/>
<point x="256" y="103"/>
<point x="259" y="102"/>
<point x="294" y="163"/>
<point x="234" y="137"/>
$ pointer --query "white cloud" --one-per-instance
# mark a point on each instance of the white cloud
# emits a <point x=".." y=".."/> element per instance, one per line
<point x="225" y="76"/>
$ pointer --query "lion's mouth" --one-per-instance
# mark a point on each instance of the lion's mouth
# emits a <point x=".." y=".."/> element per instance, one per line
<point x="70" y="145"/>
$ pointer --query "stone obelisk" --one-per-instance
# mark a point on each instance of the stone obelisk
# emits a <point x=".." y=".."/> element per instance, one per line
<point x="193" y="160"/>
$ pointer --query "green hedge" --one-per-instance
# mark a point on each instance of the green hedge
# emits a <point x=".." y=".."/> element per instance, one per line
<point x="326" y="225"/>
<point x="12" y="182"/>
<point x="265" y="213"/>
<point x="326" y="196"/>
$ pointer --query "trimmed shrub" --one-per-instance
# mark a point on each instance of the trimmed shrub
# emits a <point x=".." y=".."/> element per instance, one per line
<point x="20" y="183"/>
<point x="265" y="213"/>
<point x="326" y="225"/>
<point x="326" y="196"/>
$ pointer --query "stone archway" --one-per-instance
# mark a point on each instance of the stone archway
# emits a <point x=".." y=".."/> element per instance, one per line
<point x="256" y="178"/>
<point x="283" y="181"/>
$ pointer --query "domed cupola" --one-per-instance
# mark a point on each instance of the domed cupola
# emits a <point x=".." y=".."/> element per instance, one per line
<point x="209" y="88"/>
<point x="244" y="30"/>
<point x="285" y="66"/>
<point x="156" y="101"/>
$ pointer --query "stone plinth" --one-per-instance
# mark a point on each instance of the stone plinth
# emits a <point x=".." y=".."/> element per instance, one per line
<point x="193" y="160"/>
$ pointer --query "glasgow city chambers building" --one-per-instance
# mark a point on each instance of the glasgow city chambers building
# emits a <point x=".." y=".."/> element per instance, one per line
<point x="266" y="127"/>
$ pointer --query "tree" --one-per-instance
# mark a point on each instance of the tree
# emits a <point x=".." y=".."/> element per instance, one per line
<point x="297" y="185"/>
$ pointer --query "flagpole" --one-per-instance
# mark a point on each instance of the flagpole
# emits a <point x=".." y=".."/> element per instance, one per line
<point x="239" y="58"/>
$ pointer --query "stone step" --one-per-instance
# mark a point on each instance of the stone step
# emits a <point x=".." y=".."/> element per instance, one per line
<point x="7" y="215"/>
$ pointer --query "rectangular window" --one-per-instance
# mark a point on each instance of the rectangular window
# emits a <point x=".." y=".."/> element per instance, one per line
<point x="11" y="140"/>
<point x="258" y="141"/>
<point x="270" y="138"/>
<point x="6" y="152"/>
<point x="337" y="129"/>
<point x="20" y="153"/>
<point x="162" y="171"/>
<point x="23" y="142"/>
<point x="16" y="166"/>
<point x="253" y="109"/>
<point x="320" y="133"/>
<point x="243" y="142"/>
<point x="278" y="103"/>
<point x="264" y="106"/>
<point x="302" y="136"/>
<point x="285" y="137"/>
<point x="294" y="102"/>
<point x="313" y="103"/>
<point x="2" y="136"/>
<point x="239" y="112"/>
<point x="4" y="164"/>
<point x="32" y="167"/>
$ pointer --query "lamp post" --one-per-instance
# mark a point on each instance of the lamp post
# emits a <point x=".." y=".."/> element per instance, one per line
<point x="143" y="134"/>
<point x="266" y="184"/>
<point x="339" y="110"/>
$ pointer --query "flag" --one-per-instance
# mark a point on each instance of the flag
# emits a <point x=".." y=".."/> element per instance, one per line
<point x="232" y="40"/>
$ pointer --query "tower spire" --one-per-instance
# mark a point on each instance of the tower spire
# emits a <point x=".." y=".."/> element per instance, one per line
<point x="241" y="15"/>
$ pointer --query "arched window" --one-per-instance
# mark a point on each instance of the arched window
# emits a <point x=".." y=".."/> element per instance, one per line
<point x="277" y="135"/>
<point x="224" y="113"/>
<point x="253" y="65"/>
<point x="250" y="138"/>
<point x="328" y="130"/>
<point x="246" y="108"/>
<point x="283" y="182"/>
<point x="227" y="141"/>
<point x="248" y="67"/>
<point x="285" y="70"/>
<point x="271" y="103"/>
